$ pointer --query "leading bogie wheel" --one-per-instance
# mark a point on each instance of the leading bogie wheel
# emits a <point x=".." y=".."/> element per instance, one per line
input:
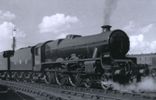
<point x="87" y="82"/>
<point x="105" y="84"/>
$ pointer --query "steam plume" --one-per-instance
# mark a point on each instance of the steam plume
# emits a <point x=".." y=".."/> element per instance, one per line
<point x="109" y="6"/>
<point x="148" y="84"/>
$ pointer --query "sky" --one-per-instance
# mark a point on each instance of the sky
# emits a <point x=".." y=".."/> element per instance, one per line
<point x="41" y="20"/>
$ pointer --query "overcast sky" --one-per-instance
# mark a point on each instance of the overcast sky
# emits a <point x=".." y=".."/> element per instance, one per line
<point x="41" y="20"/>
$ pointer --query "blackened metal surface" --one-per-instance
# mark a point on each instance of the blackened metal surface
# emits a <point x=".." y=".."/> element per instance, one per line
<point x="119" y="44"/>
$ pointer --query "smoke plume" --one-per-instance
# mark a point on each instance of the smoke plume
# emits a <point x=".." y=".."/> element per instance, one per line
<point x="148" y="84"/>
<point x="109" y="7"/>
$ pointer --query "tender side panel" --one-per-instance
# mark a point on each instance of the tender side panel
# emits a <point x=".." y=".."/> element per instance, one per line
<point x="3" y="62"/>
<point x="22" y="59"/>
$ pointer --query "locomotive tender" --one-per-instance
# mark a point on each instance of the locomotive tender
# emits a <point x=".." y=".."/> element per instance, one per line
<point x="76" y="60"/>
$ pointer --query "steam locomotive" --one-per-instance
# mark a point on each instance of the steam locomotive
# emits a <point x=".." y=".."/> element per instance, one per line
<point x="76" y="60"/>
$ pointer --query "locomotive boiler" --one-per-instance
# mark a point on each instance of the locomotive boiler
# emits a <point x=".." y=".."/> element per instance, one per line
<point x="76" y="60"/>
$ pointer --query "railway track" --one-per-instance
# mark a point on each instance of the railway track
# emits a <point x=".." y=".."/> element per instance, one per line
<point x="42" y="91"/>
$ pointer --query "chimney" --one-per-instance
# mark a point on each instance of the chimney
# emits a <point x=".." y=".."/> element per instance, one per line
<point x="106" y="28"/>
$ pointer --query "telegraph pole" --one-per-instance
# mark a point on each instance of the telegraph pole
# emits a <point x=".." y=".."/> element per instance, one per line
<point x="13" y="47"/>
<point x="9" y="53"/>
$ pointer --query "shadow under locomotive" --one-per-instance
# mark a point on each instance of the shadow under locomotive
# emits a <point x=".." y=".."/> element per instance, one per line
<point x="75" y="60"/>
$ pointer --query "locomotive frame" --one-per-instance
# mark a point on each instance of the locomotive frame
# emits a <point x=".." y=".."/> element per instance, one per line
<point x="76" y="60"/>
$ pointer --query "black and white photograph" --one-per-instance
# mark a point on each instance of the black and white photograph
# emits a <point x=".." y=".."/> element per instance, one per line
<point x="77" y="49"/>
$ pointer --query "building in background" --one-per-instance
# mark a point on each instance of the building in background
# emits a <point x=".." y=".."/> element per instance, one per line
<point x="149" y="59"/>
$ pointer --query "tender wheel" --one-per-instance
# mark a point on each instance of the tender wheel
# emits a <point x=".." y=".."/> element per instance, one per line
<point x="153" y="73"/>
<point x="27" y="76"/>
<point x="8" y="75"/>
<point x="20" y="75"/>
<point x="14" y="76"/>
<point x="75" y="80"/>
<point x="60" y="78"/>
<point x="4" y="76"/>
<point x="33" y="78"/>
